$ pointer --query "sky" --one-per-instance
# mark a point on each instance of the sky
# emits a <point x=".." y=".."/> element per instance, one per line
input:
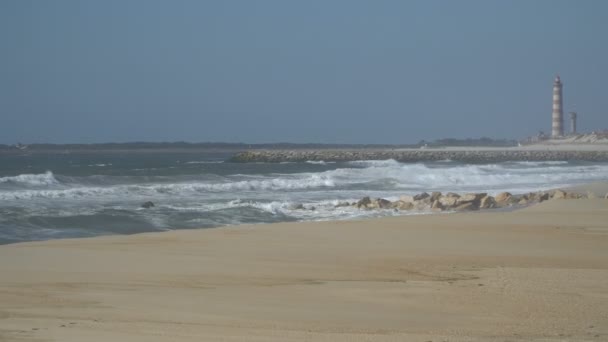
<point x="318" y="71"/>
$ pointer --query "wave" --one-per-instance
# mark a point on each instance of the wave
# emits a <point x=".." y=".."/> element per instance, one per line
<point x="376" y="163"/>
<point x="205" y="162"/>
<point x="388" y="175"/>
<point x="51" y="205"/>
<point x="540" y="163"/>
<point x="172" y="189"/>
<point x="319" y="162"/>
<point x="42" y="179"/>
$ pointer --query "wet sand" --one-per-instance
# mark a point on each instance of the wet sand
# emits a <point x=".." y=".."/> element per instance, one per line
<point x="536" y="274"/>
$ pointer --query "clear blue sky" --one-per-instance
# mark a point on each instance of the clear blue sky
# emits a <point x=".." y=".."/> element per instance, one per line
<point x="300" y="71"/>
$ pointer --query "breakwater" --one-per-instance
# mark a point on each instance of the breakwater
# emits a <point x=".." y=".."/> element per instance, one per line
<point x="422" y="155"/>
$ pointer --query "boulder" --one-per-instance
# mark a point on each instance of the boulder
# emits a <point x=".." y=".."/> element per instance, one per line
<point x="402" y="205"/>
<point x="487" y="202"/>
<point x="471" y="198"/>
<point x="422" y="204"/>
<point x="437" y="206"/>
<point x="448" y="201"/>
<point x="572" y="195"/>
<point x="543" y="197"/>
<point x="523" y="201"/>
<point x="503" y="198"/>
<point x="435" y="195"/>
<point x="342" y="204"/>
<point x="421" y="196"/>
<point x="406" y="198"/>
<point x="559" y="194"/>
<point x="364" y="202"/>
<point x="467" y="206"/>
<point x="382" y="203"/>
<point x="147" y="205"/>
<point x="451" y="194"/>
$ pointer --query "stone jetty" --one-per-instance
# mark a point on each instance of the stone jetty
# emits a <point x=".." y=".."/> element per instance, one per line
<point x="420" y="155"/>
<point x="436" y="201"/>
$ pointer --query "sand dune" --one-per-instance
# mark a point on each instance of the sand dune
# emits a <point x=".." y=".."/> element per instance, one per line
<point x="538" y="274"/>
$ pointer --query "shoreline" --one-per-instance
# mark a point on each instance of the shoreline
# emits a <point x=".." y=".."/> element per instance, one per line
<point x="535" y="273"/>
<point x="408" y="205"/>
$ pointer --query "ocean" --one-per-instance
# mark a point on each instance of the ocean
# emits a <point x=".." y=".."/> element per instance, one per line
<point x="50" y="196"/>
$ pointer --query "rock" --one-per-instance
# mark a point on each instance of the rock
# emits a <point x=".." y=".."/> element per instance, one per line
<point x="531" y="197"/>
<point x="421" y="196"/>
<point x="437" y="206"/>
<point x="342" y="204"/>
<point x="422" y="204"/>
<point x="591" y="195"/>
<point x="523" y="201"/>
<point x="435" y="195"/>
<point x="402" y="205"/>
<point x="572" y="195"/>
<point x="487" y="202"/>
<point x="406" y="198"/>
<point x="451" y="194"/>
<point x="559" y="194"/>
<point x="467" y="206"/>
<point x="470" y="198"/>
<point x="448" y="202"/>
<point x="543" y="197"/>
<point x="147" y="205"/>
<point x="364" y="202"/>
<point x="383" y="203"/>
<point x="503" y="198"/>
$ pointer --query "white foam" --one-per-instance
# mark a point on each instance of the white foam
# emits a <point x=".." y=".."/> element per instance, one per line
<point x="313" y="180"/>
<point x="385" y="178"/>
<point x="542" y="163"/>
<point x="205" y="162"/>
<point x="319" y="162"/>
<point x="46" y="178"/>
<point x="375" y="163"/>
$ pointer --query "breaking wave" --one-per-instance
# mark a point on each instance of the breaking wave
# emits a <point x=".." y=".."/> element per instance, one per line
<point x="383" y="175"/>
<point x="52" y="205"/>
<point x="46" y="178"/>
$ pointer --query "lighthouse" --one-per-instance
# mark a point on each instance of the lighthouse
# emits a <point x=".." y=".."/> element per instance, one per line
<point x="557" y="122"/>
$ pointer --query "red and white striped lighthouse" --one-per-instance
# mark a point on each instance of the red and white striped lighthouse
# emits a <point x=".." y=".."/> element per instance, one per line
<point x="557" y="122"/>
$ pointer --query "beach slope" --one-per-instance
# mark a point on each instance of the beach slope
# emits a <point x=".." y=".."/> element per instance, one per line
<point x="536" y="274"/>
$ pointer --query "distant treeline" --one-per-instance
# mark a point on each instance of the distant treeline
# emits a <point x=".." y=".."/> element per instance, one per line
<point x="244" y="146"/>
<point x="187" y="145"/>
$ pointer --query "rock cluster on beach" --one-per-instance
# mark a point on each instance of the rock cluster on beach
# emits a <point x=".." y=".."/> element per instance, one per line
<point x="436" y="201"/>
<point x="422" y="155"/>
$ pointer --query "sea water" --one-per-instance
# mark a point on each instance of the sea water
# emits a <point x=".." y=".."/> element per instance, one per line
<point x="48" y="196"/>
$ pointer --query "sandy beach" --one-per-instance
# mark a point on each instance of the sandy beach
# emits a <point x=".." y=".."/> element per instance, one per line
<point x="536" y="274"/>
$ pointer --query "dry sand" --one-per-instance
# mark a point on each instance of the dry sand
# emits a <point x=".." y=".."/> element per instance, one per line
<point x="537" y="274"/>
